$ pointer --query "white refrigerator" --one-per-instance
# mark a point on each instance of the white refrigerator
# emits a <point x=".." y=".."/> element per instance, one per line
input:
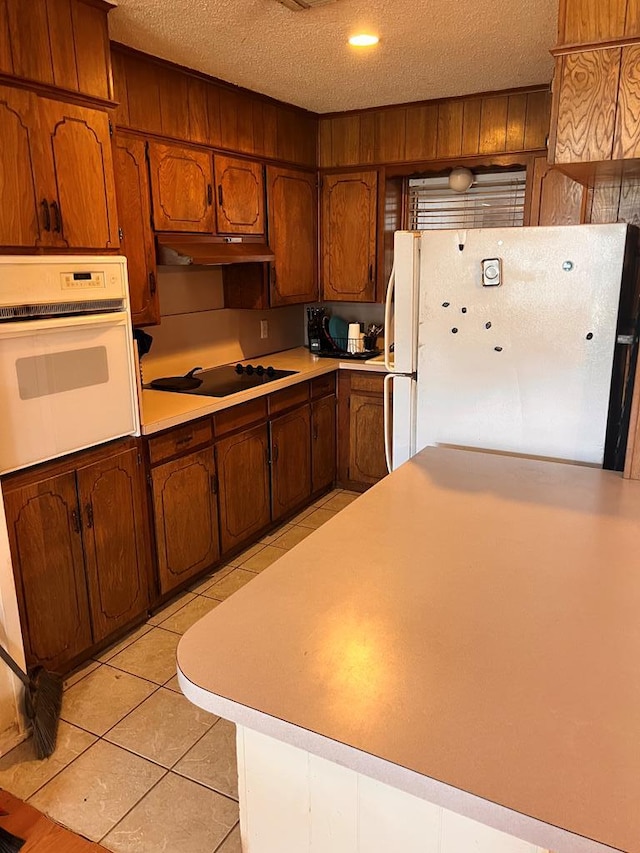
<point x="503" y="339"/>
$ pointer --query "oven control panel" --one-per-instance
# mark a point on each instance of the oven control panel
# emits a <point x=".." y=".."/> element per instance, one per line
<point x="82" y="280"/>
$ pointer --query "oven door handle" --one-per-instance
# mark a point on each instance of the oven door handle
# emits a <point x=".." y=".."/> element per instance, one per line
<point x="22" y="328"/>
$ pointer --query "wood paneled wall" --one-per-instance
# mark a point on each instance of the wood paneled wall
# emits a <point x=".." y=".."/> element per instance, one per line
<point x="159" y="98"/>
<point x="437" y="130"/>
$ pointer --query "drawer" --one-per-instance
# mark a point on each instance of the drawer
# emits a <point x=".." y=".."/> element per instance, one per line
<point x="362" y="381"/>
<point x="180" y="440"/>
<point x="296" y="395"/>
<point x="240" y="416"/>
<point x="322" y="386"/>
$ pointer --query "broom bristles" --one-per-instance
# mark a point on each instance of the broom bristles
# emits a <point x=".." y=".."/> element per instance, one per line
<point x="43" y="703"/>
<point x="10" y="843"/>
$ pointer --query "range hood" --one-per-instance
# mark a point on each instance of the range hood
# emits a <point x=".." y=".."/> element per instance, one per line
<point x="207" y="250"/>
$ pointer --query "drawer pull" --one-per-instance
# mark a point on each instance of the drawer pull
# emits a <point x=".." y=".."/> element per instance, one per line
<point x="187" y="439"/>
<point x="89" y="511"/>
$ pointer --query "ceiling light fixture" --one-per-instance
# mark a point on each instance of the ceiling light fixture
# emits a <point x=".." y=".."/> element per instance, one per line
<point x="363" y="40"/>
<point x="460" y="179"/>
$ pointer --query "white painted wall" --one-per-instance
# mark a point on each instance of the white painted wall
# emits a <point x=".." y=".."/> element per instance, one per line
<point x="12" y="723"/>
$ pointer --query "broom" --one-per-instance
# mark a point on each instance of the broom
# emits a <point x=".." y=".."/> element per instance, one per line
<point x="42" y="704"/>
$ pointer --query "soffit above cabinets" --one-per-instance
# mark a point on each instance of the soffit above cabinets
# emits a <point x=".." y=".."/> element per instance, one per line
<point x="428" y="48"/>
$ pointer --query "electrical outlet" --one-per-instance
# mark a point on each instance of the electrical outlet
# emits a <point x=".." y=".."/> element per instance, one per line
<point x="264" y="329"/>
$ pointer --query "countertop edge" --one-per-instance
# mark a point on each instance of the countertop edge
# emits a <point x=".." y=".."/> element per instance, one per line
<point x="438" y="793"/>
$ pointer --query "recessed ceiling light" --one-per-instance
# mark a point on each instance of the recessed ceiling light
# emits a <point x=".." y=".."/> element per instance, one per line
<point x="363" y="40"/>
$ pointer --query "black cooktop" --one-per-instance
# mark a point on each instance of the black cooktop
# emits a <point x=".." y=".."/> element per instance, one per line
<point x="229" y="379"/>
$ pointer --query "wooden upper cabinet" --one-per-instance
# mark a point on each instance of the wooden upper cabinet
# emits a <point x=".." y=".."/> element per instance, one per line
<point x="60" y="43"/>
<point x="181" y="188"/>
<point x="45" y="534"/>
<point x="627" y="141"/>
<point x="348" y="244"/>
<point x="76" y="175"/>
<point x="585" y="106"/>
<point x="116" y="547"/>
<point x="556" y="199"/>
<point x="134" y="216"/>
<point x="592" y="21"/>
<point x="292" y="203"/>
<point x="21" y="217"/>
<point x="239" y="196"/>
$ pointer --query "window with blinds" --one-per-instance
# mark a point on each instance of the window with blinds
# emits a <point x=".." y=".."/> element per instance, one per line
<point x="495" y="200"/>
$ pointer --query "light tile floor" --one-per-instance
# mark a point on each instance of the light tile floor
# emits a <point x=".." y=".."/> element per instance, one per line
<point x="138" y="767"/>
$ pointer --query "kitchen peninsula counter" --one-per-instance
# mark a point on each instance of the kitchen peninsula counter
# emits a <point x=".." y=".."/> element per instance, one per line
<point x="467" y="633"/>
<point x="161" y="409"/>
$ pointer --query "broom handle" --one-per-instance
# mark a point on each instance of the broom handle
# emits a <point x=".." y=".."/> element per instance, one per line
<point x="6" y="657"/>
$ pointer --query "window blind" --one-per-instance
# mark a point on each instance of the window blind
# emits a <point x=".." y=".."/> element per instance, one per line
<point x="495" y="200"/>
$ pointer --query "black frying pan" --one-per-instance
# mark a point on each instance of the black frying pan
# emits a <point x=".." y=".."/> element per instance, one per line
<point x="177" y="383"/>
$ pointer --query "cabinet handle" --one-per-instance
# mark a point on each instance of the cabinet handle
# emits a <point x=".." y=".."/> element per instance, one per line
<point x="209" y="194"/>
<point x="267" y="456"/>
<point x="89" y="511"/>
<point x="57" y="218"/>
<point x="370" y="272"/>
<point x="77" y="520"/>
<point x="46" y="216"/>
<point x="315" y="433"/>
<point x="220" y="202"/>
<point x="187" y="439"/>
<point x="273" y="276"/>
<point x="152" y="283"/>
<point x="214" y="484"/>
<point x="276" y="452"/>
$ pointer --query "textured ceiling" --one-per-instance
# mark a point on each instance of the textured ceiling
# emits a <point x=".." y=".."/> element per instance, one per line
<point x="428" y="48"/>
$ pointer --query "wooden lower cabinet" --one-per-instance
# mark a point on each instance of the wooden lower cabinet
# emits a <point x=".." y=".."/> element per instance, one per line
<point x="80" y="548"/>
<point x="290" y="461"/>
<point x="323" y="443"/>
<point x="361" y="459"/>
<point x="186" y="517"/>
<point x="117" y="556"/>
<point x="45" y="536"/>
<point x="243" y="476"/>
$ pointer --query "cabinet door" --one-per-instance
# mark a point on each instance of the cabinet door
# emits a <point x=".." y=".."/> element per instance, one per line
<point x="349" y="208"/>
<point x="627" y="143"/>
<point x="75" y="167"/>
<point x="556" y="199"/>
<point x="290" y="461"/>
<point x="293" y="204"/>
<point x="181" y="188"/>
<point x="585" y="107"/>
<point x="116" y="541"/>
<point x="186" y="517"/>
<point x="366" y="438"/>
<point x="323" y="443"/>
<point x="134" y="215"/>
<point x="239" y="196"/>
<point x="21" y="214"/>
<point x="243" y="475"/>
<point x="44" y="526"/>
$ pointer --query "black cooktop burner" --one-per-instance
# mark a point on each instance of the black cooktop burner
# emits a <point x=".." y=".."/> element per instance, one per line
<point x="230" y="379"/>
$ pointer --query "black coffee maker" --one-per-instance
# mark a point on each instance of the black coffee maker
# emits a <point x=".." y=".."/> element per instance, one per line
<point x="317" y="321"/>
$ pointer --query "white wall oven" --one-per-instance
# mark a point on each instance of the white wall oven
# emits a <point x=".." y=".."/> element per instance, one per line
<point x="67" y="366"/>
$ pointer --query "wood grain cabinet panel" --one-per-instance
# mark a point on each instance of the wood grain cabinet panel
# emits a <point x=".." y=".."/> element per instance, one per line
<point x="134" y="215"/>
<point x="186" y="517"/>
<point x="44" y="525"/>
<point x="348" y="230"/>
<point x="586" y="106"/>
<point x="290" y="461"/>
<point x="76" y="165"/>
<point x="20" y="211"/>
<point x="239" y="196"/>
<point x="117" y="553"/>
<point x="181" y="188"/>
<point x="589" y="21"/>
<point x="366" y="438"/>
<point x="323" y="443"/>
<point x="627" y="145"/>
<point x="243" y="476"/>
<point x="293" y="203"/>
<point x="556" y="199"/>
<point x="91" y="48"/>
<point x="29" y="37"/>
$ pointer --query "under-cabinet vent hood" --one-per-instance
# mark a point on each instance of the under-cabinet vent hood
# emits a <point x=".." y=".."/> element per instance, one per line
<point x="206" y="250"/>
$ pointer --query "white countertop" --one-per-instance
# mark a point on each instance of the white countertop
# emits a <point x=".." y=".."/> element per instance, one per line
<point x="160" y="410"/>
<point x="467" y="630"/>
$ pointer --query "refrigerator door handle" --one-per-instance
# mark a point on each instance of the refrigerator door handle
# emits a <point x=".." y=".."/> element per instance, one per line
<point x="388" y="382"/>
<point x="387" y="319"/>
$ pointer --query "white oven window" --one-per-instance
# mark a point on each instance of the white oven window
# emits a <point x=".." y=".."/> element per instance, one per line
<point x="55" y="372"/>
